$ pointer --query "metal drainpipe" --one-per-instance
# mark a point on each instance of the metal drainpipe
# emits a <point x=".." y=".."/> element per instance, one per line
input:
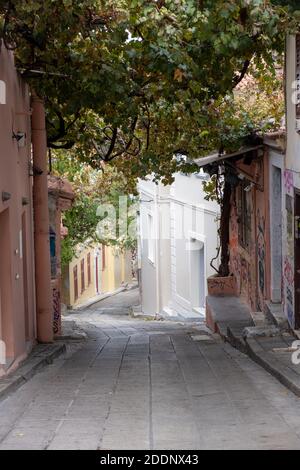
<point x="44" y="309"/>
<point x="157" y="242"/>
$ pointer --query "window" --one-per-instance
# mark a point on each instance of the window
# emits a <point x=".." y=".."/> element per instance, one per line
<point x="151" y="238"/>
<point x="103" y="258"/>
<point x="82" y="275"/>
<point x="245" y="215"/>
<point x="75" y="278"/>
<point x="89" y="268"/>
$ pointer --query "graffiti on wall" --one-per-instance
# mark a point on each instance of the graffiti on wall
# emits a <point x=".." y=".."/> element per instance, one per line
<point x="246" y="279"/>
<point x="288" y="271"/>
<point x="289" y="296"/>
<point x="235" y="263"/>
<point x="56" y="312"/>
<point x="288" y="275"/>
<point x="234" y="228"/>
<point x="288" y="268"/>
<point x="261" y="255"/>
<point x="288" y="179"/>
<point x="289" y="225"/>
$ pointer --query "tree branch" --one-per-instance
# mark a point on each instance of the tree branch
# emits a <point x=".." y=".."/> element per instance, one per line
<point x="238" y="78"/>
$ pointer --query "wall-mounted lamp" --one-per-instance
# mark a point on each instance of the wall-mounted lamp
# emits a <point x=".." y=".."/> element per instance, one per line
<point x="25" y="201"/>
<point x="5" y="196"/>
<point x="20" y="138"/>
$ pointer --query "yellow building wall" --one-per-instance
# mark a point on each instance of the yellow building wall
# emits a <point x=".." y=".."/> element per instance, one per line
<point x="108" y="275"/>
<point x="117" y="272"/>
<point x="127" y="266"/>
<point x="89" y="289"/>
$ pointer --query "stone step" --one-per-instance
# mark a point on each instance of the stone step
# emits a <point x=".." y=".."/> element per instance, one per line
<point x="275" y="315"/>
<point x="261" y="331"/>
<point x="227" y="310"/>
<point x="260" y="319"/>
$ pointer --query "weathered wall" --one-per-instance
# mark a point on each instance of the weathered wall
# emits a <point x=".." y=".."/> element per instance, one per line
<point x="251" y="265"/>
<point x="291" y="183"/>
<point x="288" y="283"/>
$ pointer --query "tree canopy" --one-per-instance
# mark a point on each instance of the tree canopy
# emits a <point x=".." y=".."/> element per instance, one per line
<point x="135" y="82"/>
<point x="101" y="197"/>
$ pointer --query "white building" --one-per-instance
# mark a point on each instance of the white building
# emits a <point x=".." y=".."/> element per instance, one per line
<point x="178" y="239"/>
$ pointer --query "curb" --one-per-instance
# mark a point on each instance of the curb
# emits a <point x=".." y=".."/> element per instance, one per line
<point x="282" y="373"/>
<point x="25" y="372"/>
<point x="265" y="359"/>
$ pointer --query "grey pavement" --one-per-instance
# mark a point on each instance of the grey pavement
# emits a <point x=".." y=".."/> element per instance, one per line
<point x="136" y="384"/>
<point x="264" y="338"/>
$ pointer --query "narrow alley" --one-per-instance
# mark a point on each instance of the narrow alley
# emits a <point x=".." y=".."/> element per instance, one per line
<point x="136" y="384"/>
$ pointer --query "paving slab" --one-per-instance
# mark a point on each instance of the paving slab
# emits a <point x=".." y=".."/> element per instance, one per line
<point x="40" y="357"/>
<point x="154" y="387"/>
<point x="235" y="325"/>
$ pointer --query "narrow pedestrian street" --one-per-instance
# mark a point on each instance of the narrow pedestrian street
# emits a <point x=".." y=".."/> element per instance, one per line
<point x="136" y="384"/>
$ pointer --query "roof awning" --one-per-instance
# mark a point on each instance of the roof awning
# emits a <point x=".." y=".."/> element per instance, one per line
<point x="216" y="157"/>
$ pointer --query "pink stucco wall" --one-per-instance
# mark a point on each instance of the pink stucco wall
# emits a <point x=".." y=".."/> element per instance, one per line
<point x="17" y="299"/>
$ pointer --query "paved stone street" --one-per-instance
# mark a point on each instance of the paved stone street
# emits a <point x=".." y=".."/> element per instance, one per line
<point x="138" y="384"/>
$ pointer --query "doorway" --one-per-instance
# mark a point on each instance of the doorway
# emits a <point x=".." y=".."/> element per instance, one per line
<point x="98" y="271"/>
<point x="297" y="260"/>
<point x="25" y="277"/>
<point x="6" y="310"/>
<point x="276" y="235"/>
<point x="197" y="275"/>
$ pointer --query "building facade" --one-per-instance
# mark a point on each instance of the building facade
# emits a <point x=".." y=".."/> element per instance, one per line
<point x="17" y="287"/>
<point x="177" y="240"/>
<point x="255" y="228"/>
<point x="95" y="270"/>
<point x="30" y="215"/>
<point x="291" y="186"/>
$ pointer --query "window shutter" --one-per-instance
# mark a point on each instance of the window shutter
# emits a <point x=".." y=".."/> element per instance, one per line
<point x="89" y="268"/>
<point x="82" y="275"/>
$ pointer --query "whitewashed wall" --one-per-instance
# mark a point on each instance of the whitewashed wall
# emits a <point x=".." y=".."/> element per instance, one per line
<point x="174" y="283"/>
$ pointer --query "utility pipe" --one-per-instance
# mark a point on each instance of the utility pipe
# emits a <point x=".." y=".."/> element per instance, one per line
<point x="44" y="308"/>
